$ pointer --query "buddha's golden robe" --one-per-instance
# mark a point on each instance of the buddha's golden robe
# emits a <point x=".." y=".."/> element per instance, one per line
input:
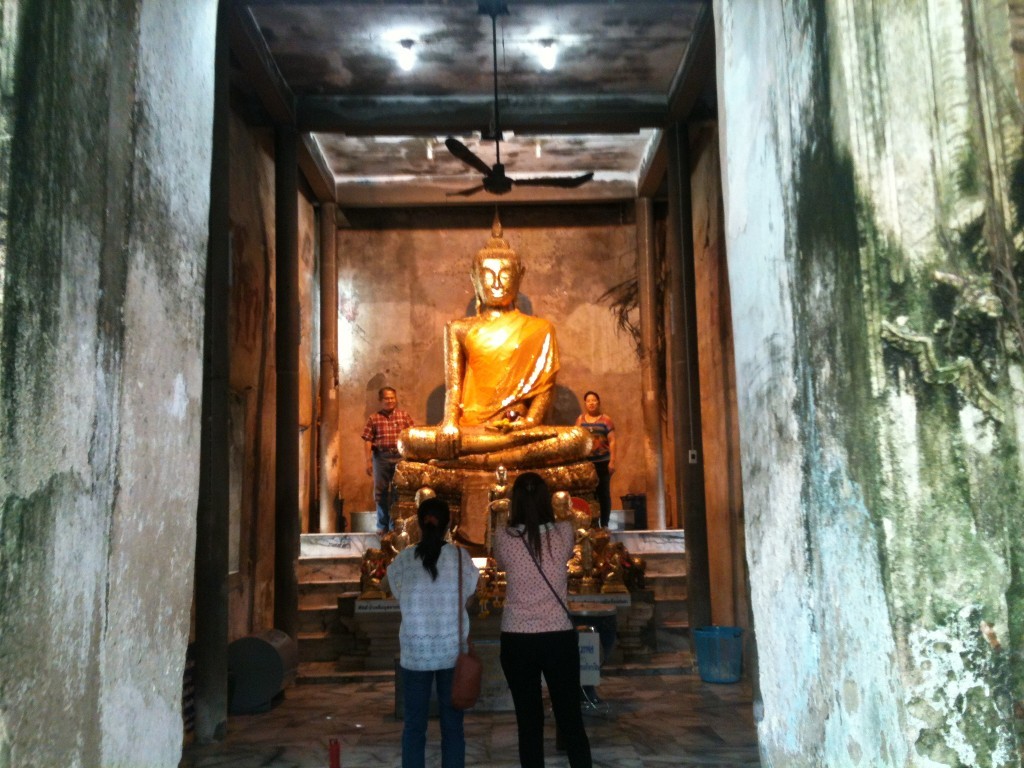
<point x="510" y="359"/>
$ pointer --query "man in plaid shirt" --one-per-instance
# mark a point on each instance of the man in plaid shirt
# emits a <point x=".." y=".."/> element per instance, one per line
<point x="380" y="437"/>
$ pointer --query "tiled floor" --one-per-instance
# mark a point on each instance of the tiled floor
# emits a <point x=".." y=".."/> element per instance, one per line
<point x="654" y="720"/>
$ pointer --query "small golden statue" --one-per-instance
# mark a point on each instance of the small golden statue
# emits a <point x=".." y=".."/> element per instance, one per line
<point x="612" y="570"/>
<point x="424" y="493"/>
<point x="561" y="506"/>
<point x="395" y="541"/>
<point x="500" y="368"/>
<point x="490" y="590"/>
<point x="372" y="571"/>
<point x="498" y="506"/>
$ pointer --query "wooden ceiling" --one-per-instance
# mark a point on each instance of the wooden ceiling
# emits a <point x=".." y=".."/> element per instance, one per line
<point x="373" y="134"/>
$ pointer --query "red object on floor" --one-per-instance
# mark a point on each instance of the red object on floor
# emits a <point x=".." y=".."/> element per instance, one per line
<point x="334" y="749"/>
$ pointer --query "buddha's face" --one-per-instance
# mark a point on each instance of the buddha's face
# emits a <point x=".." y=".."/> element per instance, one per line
<point x="496" y="281"/>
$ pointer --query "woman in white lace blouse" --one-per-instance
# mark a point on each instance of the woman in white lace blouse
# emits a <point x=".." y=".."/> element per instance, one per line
<point x="425" y="580"/>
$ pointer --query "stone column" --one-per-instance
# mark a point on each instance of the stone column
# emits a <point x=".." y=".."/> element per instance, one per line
<point x="211" y="601"/>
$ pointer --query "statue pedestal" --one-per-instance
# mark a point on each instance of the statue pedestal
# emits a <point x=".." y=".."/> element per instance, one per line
<point x="466" y="491"/>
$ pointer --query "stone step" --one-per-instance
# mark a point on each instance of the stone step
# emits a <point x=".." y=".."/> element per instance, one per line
<point x="653" y="546"/>
<point x="673" y="636"/>
<point x="330" y="649"/>
<point x="343" y="545"/>
<point x="321" y="569"/>
<point x="324" y="646"/>
<point x="665" y="566"/>
<point x="667" y="587"/>
<point x="324" y="594"/>
<point x="670" y="611"/>
<point x="318" y="620"/>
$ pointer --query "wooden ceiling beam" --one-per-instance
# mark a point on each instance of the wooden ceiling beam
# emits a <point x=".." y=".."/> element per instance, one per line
<point x="696" y="68"/>
<point x="314" y="167"/>
<point x="432" y="116"/>
<point x="414" y="194"/>
<point x="250" y="50"/>
<point x="653" y="167"/>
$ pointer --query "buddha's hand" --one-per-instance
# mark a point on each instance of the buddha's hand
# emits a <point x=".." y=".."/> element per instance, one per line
<point x="514" y="424"/>
<point x="448" y="442"/>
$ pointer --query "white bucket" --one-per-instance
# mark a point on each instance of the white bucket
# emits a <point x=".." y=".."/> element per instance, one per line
<point x="364" y="522"/>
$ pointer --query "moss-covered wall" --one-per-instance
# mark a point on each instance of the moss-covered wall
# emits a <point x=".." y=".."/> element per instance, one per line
<point x="874" y="278"/>
<point x="108" y="206"/>
<point x="398" y="285"/>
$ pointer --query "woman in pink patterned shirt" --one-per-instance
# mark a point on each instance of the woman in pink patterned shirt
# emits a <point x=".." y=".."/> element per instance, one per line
<point x="537" y="636"/>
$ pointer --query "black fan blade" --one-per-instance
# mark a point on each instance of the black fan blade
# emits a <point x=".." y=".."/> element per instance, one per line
<point x="565" y="182"/>
<point x="466" y="192"/>
<point x="463" y="153"/>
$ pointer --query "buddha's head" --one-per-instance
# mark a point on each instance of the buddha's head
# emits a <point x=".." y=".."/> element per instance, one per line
<point x="496" y="273"/>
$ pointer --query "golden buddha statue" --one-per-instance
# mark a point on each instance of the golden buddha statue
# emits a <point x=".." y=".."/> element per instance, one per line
<point x="500" y="368"/>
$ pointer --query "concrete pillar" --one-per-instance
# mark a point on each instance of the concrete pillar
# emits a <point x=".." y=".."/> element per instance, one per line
<point x="211" y="594"/>
<point x="101" y="347"/>
<point x="649" y="321"/>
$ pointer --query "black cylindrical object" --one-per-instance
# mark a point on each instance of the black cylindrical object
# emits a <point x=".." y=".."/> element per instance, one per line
<point x="260" y="667"/>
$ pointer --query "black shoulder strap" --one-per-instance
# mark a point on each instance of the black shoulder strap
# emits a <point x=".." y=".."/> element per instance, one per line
<point x="533" y="556"/>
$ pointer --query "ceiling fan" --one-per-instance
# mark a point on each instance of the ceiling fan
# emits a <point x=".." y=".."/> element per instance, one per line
<point x="495" y="181"/>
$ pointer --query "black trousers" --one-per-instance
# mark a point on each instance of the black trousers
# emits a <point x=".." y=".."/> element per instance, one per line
<point x="556" y="655"/>
<point x="604" y="491"/>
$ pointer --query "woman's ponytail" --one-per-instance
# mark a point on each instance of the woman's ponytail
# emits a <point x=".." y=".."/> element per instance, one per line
<point x="433" y="516"/>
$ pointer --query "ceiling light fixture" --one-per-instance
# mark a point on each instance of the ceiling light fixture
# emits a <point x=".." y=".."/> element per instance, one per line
<point x="547" y="54"/>
<point x="406" y="55"/>
<point x="536" y="148"/>
<point x="430" y="149"/>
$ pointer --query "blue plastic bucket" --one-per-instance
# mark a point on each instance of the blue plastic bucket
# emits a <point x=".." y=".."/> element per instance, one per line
<point x="719" y="653"/>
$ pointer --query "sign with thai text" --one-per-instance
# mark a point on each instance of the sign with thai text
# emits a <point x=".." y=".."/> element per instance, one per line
<point x="377" y="606"/>
<point x="590" y="658"/>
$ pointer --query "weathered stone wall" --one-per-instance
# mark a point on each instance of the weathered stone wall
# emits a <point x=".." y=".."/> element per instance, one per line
<point x="101" y="360"/>
<point x="397" y="287"/>
<point x="868" y="151"/>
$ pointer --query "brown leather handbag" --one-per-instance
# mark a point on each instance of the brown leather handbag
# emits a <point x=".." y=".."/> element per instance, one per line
<point x="468" y="667"/>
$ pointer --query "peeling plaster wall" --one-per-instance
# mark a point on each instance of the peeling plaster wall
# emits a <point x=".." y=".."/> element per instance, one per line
<point x="398" y="288"/>
<point x="101" y="360"/>
<point x="881" y="475"/>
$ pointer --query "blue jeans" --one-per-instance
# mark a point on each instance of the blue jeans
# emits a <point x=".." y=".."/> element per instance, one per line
<point x="384" y="490"/>
<point x="416" y="687"/>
